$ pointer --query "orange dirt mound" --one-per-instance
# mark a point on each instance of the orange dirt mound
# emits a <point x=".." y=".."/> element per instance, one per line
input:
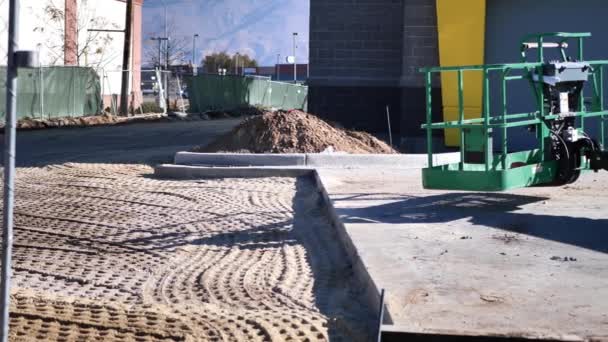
<point x="294" y="132"/>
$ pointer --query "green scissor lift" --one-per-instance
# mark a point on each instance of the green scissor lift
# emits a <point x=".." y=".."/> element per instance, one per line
<point x="563" y="151"/>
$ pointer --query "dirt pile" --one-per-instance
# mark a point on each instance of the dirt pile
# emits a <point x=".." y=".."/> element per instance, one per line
<point x="294" y="132"/>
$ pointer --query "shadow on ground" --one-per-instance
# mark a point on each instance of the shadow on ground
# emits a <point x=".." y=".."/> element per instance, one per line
<point x="485" y="209"/>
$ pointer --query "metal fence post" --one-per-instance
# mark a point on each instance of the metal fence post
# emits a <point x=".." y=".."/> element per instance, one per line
<point x="9" y="167"/>
<point x="41" y="95"/>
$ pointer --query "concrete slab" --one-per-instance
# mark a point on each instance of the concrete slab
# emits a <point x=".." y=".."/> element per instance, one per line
<point x="399" y="161"/>
<point x="531" y="263"/>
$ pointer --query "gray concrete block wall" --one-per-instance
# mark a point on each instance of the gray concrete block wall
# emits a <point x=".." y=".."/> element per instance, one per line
<point x="356" y="42"/>
<point x="420" y="40"/>
<point x="420" y="49"/>
<point x="366" y="54"/>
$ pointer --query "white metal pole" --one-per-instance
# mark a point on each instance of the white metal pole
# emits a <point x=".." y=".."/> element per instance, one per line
<point x="194" y="62"/>
<point x="9" y="166"/>
<point x="295" y="60"/>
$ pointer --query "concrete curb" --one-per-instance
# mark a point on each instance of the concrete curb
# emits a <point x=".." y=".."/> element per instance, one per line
<point x="370" y="291"/>
<point x="193" y="172"/>
<point x="398" y="161"/>
<point x="238" y="159"/>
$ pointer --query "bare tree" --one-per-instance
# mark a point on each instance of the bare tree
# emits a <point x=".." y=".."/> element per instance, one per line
<point x="226" y="61"/>
<point x="90" y="44"/>
<point x="177" y="48"/>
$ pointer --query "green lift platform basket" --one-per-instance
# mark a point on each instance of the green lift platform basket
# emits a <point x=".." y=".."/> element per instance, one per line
<point x="564" y="149"/>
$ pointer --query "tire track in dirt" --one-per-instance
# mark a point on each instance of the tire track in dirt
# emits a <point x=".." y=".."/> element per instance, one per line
<point x="225" y="260"/>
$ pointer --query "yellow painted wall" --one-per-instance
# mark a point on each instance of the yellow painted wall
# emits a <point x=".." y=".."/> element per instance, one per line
<point x="461" y="27"/>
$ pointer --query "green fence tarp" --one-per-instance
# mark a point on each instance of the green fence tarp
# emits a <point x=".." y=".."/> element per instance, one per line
<point x="51" y="92"/>
<point x="215" y="92"/>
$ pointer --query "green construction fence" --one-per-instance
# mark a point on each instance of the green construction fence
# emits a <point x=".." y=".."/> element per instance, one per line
<point x="216" y="92"/>
<point x="51" y="92"/>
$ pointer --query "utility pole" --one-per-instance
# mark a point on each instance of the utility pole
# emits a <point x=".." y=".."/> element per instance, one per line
<point x="276" y="69"/>
<point x="160" y="48"/>
<point x="295" y="60"/>
<point x="236" y="63"/>
<point x="126" y="58"/>
<point x="167" y="47"/>
<point x="160" y="41"/>
<point x="161" y="77"/>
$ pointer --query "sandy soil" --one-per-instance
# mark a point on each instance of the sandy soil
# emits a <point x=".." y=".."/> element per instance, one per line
<point x="107" y="252"/>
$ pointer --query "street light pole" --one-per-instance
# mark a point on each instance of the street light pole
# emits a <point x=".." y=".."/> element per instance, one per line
<point x="276" y="69"/>
<point x="194" y="61"/>
<point x="194" y="49"/>
<point x="295" y="63"/>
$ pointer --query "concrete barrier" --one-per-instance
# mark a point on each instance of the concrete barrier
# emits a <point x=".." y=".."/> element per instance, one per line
<point x="239" y="159"/>
<point x="396" y="161"/>
<point x="193" y="172"/>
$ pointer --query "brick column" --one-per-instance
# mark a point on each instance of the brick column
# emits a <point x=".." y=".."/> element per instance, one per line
<point x="70" y="51"/>
<point x="136" y="54"/>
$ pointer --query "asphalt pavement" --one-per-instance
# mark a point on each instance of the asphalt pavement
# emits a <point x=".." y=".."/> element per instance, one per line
<point x="138" y="143"/>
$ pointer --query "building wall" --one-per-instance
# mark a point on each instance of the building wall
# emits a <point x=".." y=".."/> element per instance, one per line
<point x="355" y="61"/>
<point x="420" y="49"/>
<point x="361" y="52"/>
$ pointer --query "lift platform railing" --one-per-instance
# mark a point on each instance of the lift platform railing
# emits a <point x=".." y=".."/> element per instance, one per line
<point x="502" y="120"/>
<point x="505" y="120"/>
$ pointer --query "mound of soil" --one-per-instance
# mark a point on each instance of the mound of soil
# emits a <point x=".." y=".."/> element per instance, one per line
<point x="294" y="132"/>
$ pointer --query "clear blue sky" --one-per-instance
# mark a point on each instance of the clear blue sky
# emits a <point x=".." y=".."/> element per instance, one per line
<point x="262" y="28"/>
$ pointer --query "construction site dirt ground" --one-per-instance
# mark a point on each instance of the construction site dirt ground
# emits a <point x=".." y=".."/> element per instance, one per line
<point x="105" y="251"/>
<point x="527" y="263"/>
<point x="109" y="252"/>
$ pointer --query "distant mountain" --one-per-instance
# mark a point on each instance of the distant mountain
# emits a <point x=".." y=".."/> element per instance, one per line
<point x="260" y="28"/>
